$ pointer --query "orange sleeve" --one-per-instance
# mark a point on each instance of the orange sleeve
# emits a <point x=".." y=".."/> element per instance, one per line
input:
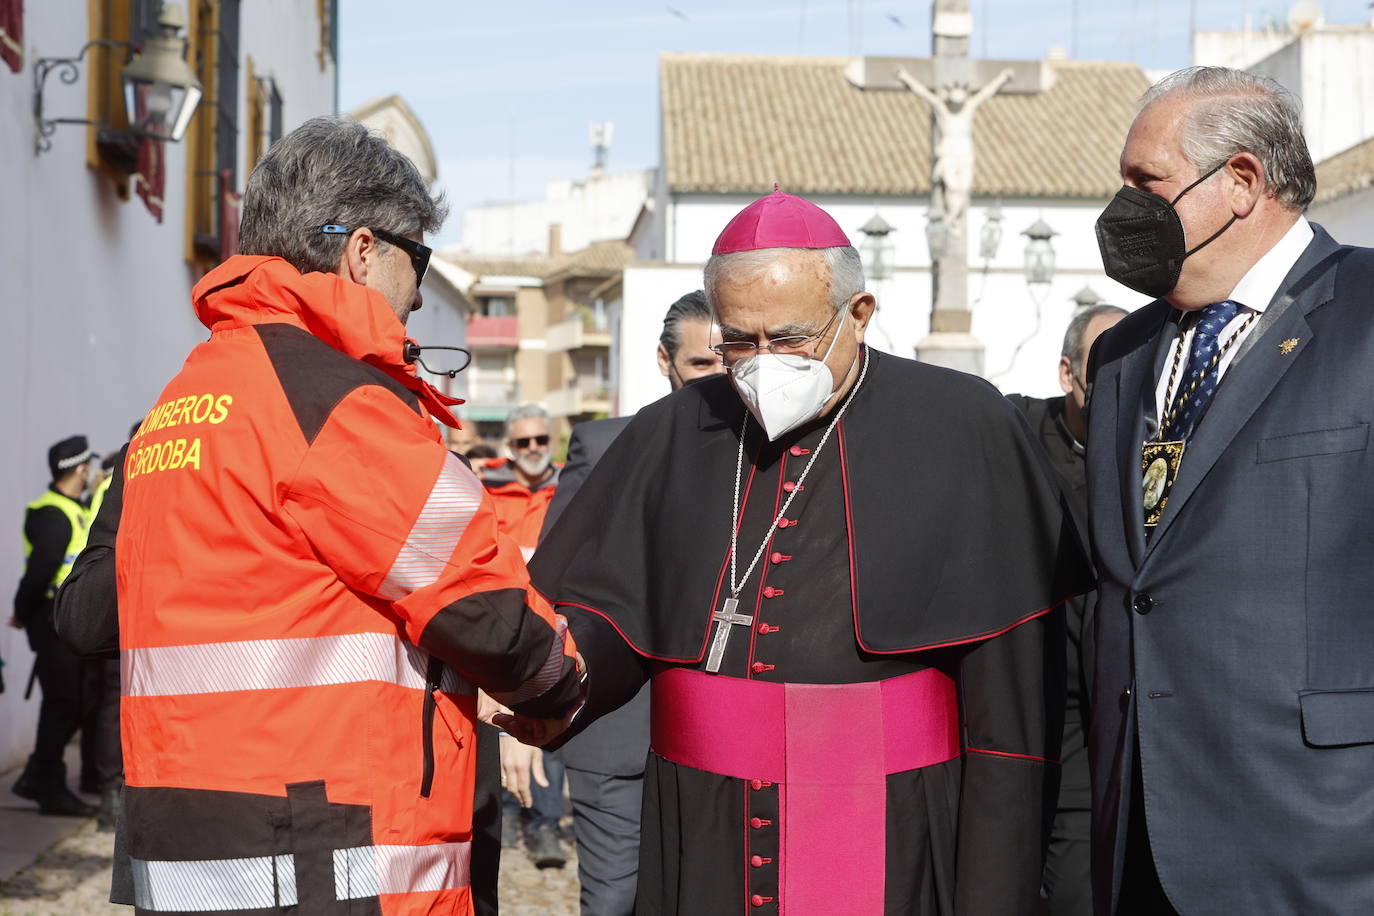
<point x="398" y="518"/>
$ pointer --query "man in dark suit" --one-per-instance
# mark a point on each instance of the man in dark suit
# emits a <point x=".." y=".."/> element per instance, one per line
<point x="605" y="763"/>
<point x="1232" y="731"/>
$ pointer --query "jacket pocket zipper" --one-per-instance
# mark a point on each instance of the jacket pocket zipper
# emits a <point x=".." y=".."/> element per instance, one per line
<point x="433" y="672"/>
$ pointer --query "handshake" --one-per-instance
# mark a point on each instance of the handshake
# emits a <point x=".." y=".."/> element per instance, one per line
<point x="522" y="737"/>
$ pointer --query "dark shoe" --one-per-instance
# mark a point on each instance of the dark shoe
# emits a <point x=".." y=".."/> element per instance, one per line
<point x="512" y="828"/>
<point x="546" y="851"/>
<point x="26" y="786"/>
<point x="61" y="802"/>
<point x="109" y="809"/>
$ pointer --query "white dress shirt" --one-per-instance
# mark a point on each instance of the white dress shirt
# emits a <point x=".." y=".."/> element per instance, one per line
<point x="1254" y="292"/>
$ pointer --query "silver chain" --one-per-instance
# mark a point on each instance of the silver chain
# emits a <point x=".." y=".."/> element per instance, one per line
<point x="736" y="588"/>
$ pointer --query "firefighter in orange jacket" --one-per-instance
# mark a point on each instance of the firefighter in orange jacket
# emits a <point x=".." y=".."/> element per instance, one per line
<point x="311" y="588"/>
<point x="521" y="487"/>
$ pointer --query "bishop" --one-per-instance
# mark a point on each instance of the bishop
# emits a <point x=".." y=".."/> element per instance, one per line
<point x="853" y="706"/>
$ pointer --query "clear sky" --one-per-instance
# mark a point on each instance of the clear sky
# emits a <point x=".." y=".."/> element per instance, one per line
<point x="507" y="89"/>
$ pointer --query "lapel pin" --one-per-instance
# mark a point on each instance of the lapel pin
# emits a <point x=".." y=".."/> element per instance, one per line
<point x="1287" y="346"/>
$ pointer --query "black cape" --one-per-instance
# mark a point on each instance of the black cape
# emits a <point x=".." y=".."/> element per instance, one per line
<point x="958" y="531"/>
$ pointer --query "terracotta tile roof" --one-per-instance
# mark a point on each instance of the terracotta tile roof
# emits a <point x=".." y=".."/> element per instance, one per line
<point x="735" y="123"/>
<point x="1347" y="171"/>
<point x="598" y="259"/>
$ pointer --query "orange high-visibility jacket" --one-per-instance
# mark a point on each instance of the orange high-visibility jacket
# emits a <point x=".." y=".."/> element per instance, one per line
<point x="520" y="511"/>
<point x="310" y="589"/>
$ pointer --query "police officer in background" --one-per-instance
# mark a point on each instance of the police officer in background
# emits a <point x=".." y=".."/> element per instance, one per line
<point x="55" y="526"/>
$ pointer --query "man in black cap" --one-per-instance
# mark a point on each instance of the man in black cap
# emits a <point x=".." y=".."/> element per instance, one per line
<point x="55" y="526"/>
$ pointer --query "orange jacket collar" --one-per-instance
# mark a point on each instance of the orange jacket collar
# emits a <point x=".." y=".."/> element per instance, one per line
<point x="353" y="319"/>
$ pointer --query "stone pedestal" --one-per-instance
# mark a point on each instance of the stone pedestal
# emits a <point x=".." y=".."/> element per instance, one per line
<point x="953" y="350"/>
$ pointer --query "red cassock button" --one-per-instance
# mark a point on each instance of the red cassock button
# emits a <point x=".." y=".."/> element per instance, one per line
<point x="756" y="861"/>
<point x="755" y="822"/>
<point x="771" y="592"/>
<point x="778" y="557"/>
<point x="760" y="900"/>
<point x="797" y="451"/>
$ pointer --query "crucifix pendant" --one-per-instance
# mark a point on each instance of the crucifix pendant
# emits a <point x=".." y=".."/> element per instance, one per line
<point x="725" y="618"/>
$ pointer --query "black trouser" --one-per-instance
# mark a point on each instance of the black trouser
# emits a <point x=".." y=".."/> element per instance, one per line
<point x="486" y="822"/>
<point x="68" y="698"/>
<point x="1141" y="892"/>
<point x="102" y="757"/>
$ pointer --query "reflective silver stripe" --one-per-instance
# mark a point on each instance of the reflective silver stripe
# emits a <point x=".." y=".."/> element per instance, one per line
<point x="275" y="664"/>
<point x="548" y="673"/>
<point x="208" y="885"/>
<point x="366" y="871"/>
<point x="429" y="548"/>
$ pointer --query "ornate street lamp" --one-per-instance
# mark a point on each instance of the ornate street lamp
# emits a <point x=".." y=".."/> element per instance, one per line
<point x="878" y="248"/>
<point x="1086" y="298"/>
<point x="161" y="91"/>
<point x="1039" y="258"/>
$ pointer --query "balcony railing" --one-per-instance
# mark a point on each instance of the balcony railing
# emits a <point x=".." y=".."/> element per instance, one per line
<point x="574" y="334"/>
<point x="493" y="331"/>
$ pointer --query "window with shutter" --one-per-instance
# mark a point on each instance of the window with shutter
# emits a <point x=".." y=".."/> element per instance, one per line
<point x="212" y="140"/>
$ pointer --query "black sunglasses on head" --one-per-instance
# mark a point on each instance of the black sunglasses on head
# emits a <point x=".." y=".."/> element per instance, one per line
<point x="419" y="254"/>
<point x="526" y="441"/>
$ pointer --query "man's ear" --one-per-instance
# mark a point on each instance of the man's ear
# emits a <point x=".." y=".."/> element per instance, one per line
<point x="664" y="363"/>
<point x="357" y="255"/>
<point x="1065" y="375"/>
<point x="861" y="309"/>
<point x="1247" y="183"/>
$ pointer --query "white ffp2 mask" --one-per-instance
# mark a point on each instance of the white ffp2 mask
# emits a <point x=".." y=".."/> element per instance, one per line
<point x="785" y="390"/>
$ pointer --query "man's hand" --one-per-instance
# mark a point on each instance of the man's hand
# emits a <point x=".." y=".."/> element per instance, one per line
<point x="541" y="732"/>
<point x="520" y="762"/>
<point x="487" y="708"/>
<point x="14" y="622"/>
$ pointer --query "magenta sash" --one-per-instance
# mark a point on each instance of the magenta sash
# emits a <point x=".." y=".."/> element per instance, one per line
<point x="829" y="749"/>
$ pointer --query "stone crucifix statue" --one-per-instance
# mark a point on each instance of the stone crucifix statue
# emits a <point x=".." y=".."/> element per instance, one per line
<point x="951" y="170"/>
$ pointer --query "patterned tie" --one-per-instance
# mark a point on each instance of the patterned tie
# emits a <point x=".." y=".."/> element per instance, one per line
<point x="1212" y="320"/>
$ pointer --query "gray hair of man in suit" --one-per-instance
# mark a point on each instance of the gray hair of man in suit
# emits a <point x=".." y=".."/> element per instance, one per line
<point x="1246" y="131"/>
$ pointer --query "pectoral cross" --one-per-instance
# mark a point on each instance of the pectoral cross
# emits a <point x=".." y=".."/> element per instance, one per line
<point x="725" y="618"/>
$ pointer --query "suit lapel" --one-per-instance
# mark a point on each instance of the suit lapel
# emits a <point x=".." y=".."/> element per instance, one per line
<point x="1135" y="401"/>
<point x="1249" y="381"/>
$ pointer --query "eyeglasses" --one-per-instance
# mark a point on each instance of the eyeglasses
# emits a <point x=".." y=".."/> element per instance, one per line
<point x="419" y="254"/>
<point x="527" y="441"/>
<point x="732" y="351"/>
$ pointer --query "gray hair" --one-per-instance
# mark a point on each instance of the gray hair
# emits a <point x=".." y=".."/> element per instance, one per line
<point x="526" y="412"/>
<point x="1073" y="335"/>
<point x="1240" y="112"/>
<point x="331" y="170"/>
<point x="691" y="307"/>
<point x="846" y="270"/>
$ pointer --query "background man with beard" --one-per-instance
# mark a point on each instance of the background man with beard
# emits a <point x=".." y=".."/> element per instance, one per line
<point x="521" y="489"/>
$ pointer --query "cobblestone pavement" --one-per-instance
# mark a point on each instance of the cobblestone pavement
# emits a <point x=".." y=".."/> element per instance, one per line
<point x="73" y="879"/>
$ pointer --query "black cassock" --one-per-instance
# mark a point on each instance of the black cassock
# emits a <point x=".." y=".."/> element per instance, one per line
<point x="928" y="534"/>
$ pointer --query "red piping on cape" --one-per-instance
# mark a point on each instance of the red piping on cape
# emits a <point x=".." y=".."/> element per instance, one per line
<point x="979" y="750"/>
<point x="854" y="583"/>
<point x="849" y="530"/>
